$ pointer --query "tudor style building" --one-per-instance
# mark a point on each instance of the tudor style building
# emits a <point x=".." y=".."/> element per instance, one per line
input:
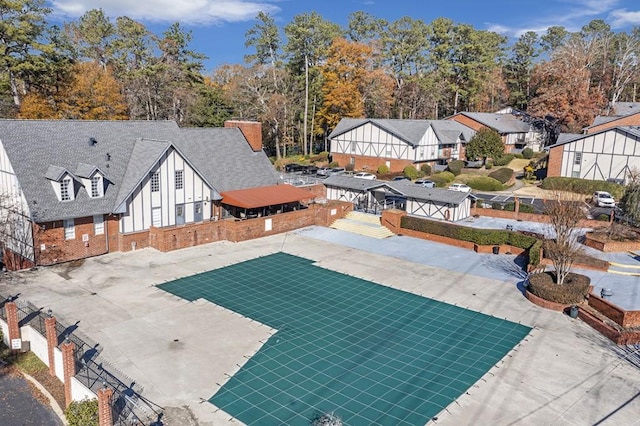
<point x="370" y="143"/>
<point x="71" y="189"/>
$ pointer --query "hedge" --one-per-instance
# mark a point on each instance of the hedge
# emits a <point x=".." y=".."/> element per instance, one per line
<point x="582" y="186"/>
<point x="485" y="183"/>
<point x="503" y="160"/>
<point x="448" y="176"/>
<point x="476" y="235"/>
<point x="410" y="172"/>
<point x="440" y="181"/>
<point x="524" y="208"/>
<point x="503" y="175"/>
<point x="527" y="153"/>
<point x="455" y="167"/>
<point x="426" y="169"/>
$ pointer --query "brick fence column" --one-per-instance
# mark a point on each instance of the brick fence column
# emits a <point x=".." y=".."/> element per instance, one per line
<point x="69" y="369"/>
<point x="105" y="417"/>
<point x="52" y="342"/>
<point x="12" y="319"/>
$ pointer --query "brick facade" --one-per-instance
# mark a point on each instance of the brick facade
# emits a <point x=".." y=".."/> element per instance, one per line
<point x="105" y="416"/>
<point x="473" y="124"/>
<point x="51" y="247"/>
<point x="554" y="161"/>
<point x="11" y="310"/>
<point x="627" y="120"/>
<point x="371" y="163"/>
<point x="252" y="131"/>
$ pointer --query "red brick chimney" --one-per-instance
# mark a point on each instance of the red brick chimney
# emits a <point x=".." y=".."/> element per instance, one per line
<point x="252" y="131"/>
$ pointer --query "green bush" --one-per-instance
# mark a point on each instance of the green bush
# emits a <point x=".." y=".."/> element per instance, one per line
<point x="503" y="175"/>
<point x="426" y="169"/>
<point x="488" y="165"/>
<point x="383" y="169"/>
<point x="485" y="183"/>
<point x="527" y="153"/>
<point x="524" y="208"/>
<point x="440" y="181"/>
<point x="476" y="235"/>
<point x="410" y="172"/>
<point x="503" y="160"/>
<point x="82" y="413"/>
<point x="582" y="186"/>
<point x="455" y="167"/>
<point x="334" y="164"/>
<point x="603" y="217"/>
<point x="519" y="155"/>
<point x="496" y="206"/>
<point x="448" y="176"/>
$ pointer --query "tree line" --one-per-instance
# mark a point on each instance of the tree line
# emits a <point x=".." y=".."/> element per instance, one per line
<point x="300" y="79"/>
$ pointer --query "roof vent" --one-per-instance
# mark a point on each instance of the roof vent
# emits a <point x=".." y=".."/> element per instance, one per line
<point x="107" y="157"/>
<point x="92" y="141"/>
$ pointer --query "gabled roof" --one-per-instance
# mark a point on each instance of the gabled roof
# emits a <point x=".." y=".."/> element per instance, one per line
<point x="124" y="152"/>
<point x="502" y="123"/>
<point x="604" y="119"/>
<point x="565" y="138"/>
<point x="449" y="131"/>
<point x="252" y="198"/>
<point x="402" y="187"/>
<point x="409" y="131"/>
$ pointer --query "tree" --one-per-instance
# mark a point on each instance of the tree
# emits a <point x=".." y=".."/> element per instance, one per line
<point x="486" y="143"/>
<point x="630" y="201"/>
<point x="92" y="36"/>
<point x="562" y="245"/>
<point x="519" y="67"/>
<point x="210" y="108"/>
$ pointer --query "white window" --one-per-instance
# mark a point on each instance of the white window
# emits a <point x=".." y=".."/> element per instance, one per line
<point x="388" y="154"/>
<point x="98" y="224"/>
<point x="575" y="174"/>
<point x="179" y="179"/>
<point x="577" y="159"/>
<point x="155" y="182"/>
<point x="69" y="229"/>
<point x="96" y="186"/>
<point x="156" y="217"/>
<point x="66" y="189"/>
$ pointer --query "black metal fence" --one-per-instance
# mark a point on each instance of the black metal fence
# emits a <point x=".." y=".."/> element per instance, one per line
<point x="128" y="406"/>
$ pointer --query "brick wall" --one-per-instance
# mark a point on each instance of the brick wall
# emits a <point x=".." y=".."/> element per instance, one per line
<point x="630" y="120"/>
<point x="318" y="190"/>
<point x="554" y="161"/>
<point x="614" y="312"/>
<point x="610" y="246"/>
<point x="51" y="247"/>
<point x="543" y="303"/>
<point x="371" y="163"/>
<point x="252" y="131"/>
<point x="179" y="237"/>
<point x="531" y="217"/>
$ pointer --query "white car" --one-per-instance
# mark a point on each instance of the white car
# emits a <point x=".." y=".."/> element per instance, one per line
<point x="460" y="187"/>
<point x="603" y="199"/>
<point x="363" y="175"/>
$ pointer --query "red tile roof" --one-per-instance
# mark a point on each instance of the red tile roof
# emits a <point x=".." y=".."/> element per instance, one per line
<point x="264" y="196"/>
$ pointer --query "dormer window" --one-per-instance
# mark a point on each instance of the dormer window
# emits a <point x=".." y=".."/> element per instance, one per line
<point x="66" y="189"/>
<point x="97" y="188"/>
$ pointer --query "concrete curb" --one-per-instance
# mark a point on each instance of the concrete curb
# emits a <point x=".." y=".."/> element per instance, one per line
<point x="52" y="402"/>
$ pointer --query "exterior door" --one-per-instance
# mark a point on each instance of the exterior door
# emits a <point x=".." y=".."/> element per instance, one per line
<point x="179" y="214"/>
<point x="197" y="211"/>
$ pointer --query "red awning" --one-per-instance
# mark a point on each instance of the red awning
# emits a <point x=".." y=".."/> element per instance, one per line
<point x="264" y="196"/>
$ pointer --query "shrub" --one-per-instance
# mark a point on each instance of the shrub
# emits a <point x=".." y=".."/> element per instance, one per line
<point x="503" y="175"/>
<point x="448" y="176"/>
<point x="574" y="290"/>
<point x="350" y="167"/>
<point x="534" y="253"/>
<point x="603" y="217"/>
<point x="488" y="165"/>
<point x="519" y="155"/>
<point x="383" y="169"/>
<point x="410" y="172"/>
<point x="426" y="169"/>
<point x="527" y="153"/>
<point x="524" y="208"/>
<point x="455" y="167"/>
<point x="485" y="183"/>
<point x="582" y="186"/>
<point x="440" y="181"/>
<point x="496" y="206"/>
<point x="503" y="160"/>
<point x="321" y="156"/>
<point x="334" y="164"/>
<point x="82" y="413"/>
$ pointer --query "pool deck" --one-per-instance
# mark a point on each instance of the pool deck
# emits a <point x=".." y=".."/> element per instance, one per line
<point x="181" y="352"/>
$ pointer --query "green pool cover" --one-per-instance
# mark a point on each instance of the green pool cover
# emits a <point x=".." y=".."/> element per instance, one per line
<point x="368" y="353"/>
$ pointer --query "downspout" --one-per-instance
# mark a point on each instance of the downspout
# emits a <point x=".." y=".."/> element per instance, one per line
<point x="106" y="233"/>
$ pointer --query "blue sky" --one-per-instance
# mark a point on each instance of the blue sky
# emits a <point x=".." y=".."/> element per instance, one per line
<point x="219" y="26"/>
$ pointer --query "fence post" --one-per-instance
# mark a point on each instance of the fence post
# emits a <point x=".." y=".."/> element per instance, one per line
<point x="12" y="320"/>
<point x="69" y="369"/>
<point x="105" y="418"/>
<point x="52" y="342"/>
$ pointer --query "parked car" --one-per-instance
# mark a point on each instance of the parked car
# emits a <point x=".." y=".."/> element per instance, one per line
<point x="364" y="175"/>
<point x="461" y="187"/>
<point x="397" y="178"/>
<point x="322" y="171"/>
<point x="293" y="168"/>
<point x="603" y="199"/>
<point x="336" y="171"/>
<point x="425" y="183"/>
<point x="309" y="170"/>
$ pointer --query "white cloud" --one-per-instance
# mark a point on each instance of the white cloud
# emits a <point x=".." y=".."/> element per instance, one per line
<point x="184" y="11"/>
<point x="622" y="18"/>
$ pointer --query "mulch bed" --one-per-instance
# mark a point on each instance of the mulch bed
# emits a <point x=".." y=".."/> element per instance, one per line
<point x="575" y="288"/>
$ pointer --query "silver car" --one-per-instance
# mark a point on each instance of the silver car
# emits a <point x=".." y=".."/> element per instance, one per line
<point x="603" y="199"/>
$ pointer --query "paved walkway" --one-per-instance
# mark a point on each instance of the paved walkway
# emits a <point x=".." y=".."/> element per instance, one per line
<point x="180" y="352"/>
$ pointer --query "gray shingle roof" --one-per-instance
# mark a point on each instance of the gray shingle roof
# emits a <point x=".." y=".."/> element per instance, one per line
<point x="124" y="151"/>
<point x="625" y="108"/>
<point x="348" y="182"/>
<point x="564" y="138"/>
<point x="602" y="119"/>
<point x="410" y="131"/>
<point x="448" y="131"/>
<point x="502" y="123"/>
